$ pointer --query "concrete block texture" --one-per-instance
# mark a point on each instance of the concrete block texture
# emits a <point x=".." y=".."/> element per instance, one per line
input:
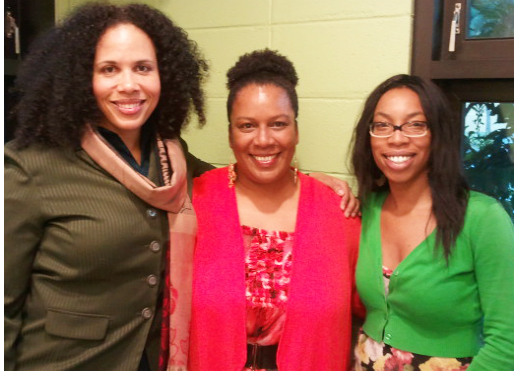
<point x="213" y="14"/>
<point x="325" y="130"/>
<point x="64" y="7"/>
<point x="345" y="59"/>
<point x="222" y="47"/>
<point x="295" y="11"/>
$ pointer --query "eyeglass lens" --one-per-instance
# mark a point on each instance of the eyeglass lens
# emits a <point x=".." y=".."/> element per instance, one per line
<point x="415" y="128"/>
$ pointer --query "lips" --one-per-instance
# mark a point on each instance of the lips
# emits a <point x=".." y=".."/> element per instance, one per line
<point x="398" y="159"/>
<point x="265" y="160"/>
<point x="398" y="162"/>
<point x="129" y="107"/>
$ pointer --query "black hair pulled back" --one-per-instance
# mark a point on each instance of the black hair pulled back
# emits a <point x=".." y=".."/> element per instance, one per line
<point x="262" y="67"/>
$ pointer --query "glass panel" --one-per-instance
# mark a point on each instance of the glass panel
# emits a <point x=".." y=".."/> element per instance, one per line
<point x="488" y="150"/>
<point x="490" y="19"/>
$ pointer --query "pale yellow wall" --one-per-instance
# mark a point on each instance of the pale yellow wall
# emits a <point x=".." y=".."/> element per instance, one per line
<point x="341" y="49"/>
<point x="63" y="7"/>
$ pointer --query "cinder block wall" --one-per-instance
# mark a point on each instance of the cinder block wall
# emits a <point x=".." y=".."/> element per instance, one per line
<point x="341" y="50"/>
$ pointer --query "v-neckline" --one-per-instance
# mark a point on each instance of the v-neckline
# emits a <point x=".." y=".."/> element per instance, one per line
<point x="418" y="248"/>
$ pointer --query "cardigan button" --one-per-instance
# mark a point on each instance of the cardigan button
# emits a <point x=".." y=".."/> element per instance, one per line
<point x="146" y="313"/>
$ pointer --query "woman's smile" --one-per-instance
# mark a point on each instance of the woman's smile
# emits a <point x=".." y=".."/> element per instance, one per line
<point x="265" y="160"/>
<point x="129" y="107"/>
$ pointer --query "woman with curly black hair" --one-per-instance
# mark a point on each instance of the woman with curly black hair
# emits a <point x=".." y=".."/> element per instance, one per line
<point x="275" y="256"/>
<point x="96" y="188"/>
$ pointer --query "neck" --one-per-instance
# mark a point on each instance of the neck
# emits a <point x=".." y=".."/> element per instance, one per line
<point x="274" y="192"/>
<point x="130" y="138"/>
<point x="133" y="144"/>
<point x="271" y="206"/>
<point x="417" y="194"/>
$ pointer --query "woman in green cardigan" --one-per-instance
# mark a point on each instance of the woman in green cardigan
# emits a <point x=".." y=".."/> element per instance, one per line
<point x="435" y="268"/>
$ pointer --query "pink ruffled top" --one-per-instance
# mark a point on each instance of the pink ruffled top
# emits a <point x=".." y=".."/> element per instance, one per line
<point x="268" y="261"/>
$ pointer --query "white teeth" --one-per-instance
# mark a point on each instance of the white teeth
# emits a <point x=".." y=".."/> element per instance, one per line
<point x="128" y="105"/>
<point x="398" y="159"/>
<point x="264" y="158"/>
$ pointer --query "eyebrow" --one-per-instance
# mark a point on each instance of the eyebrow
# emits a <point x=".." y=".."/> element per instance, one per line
<point x="387" y="116"/>
<point x="273" y="118"/>
<point x="139" y="61"/>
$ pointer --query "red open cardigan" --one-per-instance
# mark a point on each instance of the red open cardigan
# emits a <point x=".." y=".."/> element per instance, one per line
<point x="317" y="331"/>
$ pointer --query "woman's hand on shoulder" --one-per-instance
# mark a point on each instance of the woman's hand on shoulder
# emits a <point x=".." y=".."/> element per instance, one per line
<point x="349" y="204"/>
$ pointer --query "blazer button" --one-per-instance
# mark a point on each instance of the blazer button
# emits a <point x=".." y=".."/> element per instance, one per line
<point x="152" y="280"/>
<point x="155" y="246"/>
<point x="146" y="313"/>
<point x="152" y="213"/>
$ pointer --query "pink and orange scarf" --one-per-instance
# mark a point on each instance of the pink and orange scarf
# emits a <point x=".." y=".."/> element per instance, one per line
<point x="173" y="198"/>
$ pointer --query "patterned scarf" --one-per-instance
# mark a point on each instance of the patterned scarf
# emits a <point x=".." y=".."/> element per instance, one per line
<point x="173" y="198"/>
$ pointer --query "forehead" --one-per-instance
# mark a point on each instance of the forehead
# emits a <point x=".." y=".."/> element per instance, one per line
<point x="125" y="39"/>
<point x="399" y="101"/>
<point x="262" y="94"/>
<point x="401" y="92"/>
<point x="261" y="103"/>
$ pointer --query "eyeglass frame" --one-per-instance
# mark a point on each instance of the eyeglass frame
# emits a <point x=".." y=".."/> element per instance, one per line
<point x="398" y="127"/>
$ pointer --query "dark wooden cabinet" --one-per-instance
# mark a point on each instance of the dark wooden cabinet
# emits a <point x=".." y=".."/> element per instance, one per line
<point x="31" y="17"/>
<point x="455" y="44"/>
<point x="472" y="58"/>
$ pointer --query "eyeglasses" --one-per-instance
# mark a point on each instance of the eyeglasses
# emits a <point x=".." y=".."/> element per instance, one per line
<point x="410" y="129"/>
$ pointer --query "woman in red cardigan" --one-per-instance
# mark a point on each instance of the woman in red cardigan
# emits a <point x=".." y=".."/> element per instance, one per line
<point x="275" y="257"/>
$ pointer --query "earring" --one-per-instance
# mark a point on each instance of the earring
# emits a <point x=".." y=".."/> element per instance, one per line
<point x="295" y="170"/>
<point x="232" y="176"/>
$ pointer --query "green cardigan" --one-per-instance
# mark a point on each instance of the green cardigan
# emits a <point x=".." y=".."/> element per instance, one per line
<point x="464" y="309"/>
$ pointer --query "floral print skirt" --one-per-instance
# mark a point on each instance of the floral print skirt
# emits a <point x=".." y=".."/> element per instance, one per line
<point x="369" y="355"/>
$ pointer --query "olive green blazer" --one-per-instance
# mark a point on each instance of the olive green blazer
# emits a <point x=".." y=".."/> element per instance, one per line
<point x="84" y="263"/>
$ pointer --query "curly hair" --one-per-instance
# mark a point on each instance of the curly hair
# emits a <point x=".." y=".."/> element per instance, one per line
<point x="449" y="188"/>
<point x="262" y="67"/>
<point x="55" y="80"/>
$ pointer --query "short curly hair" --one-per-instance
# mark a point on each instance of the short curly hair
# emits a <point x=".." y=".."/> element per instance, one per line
<point x="55" y="81"/>
<point x="262" y="67"/>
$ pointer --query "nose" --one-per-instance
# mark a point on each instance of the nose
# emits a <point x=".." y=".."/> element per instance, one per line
<point x="397" y="138"/>
<point x="264" y="136"/>
<point x="127" y="82"/>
